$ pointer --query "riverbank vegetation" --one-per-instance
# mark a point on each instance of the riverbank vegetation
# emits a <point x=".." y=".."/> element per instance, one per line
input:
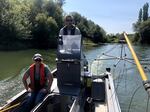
<point x="28" y="24"/>
<point x="142" y="26"/>
<point x="36" y="24"/>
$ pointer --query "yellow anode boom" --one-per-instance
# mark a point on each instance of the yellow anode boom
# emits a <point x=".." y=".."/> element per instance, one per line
<point x="142" y="73"/>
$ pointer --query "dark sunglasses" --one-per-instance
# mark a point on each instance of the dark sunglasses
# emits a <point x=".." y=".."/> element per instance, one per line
<point x="38" y="60"/>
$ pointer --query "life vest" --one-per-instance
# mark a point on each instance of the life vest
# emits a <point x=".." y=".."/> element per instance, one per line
<point x="32" y="77"/>
<point x="65" y="30"/>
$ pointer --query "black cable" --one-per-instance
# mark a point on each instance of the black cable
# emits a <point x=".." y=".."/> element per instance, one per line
<point x="118" y="81"/>
<point x="147" y="104"/>
<point x="111" y="49"/>
<point x="133" y="97"/>
<point x="147" y="69"/>
<point x="125" y="51"/>
<point x="125" y="75"/>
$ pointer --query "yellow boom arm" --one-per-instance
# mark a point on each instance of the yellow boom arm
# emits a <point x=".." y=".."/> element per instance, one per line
<point x="146" y="82"/>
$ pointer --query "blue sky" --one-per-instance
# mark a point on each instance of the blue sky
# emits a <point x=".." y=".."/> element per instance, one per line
<point x="112" y="15"/>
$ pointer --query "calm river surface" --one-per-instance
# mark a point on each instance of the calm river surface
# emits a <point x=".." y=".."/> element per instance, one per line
<point x="126" y="76"/>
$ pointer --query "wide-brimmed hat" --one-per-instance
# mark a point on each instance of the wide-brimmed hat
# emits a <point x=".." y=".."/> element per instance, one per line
<point x="37" y="56"/>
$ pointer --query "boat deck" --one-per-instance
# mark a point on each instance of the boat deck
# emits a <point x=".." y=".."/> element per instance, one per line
<point x="110" y="104"/>
<point x="99" y="107"/>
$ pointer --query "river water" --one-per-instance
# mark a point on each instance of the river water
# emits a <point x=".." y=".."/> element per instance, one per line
<point x="126" y="76"/>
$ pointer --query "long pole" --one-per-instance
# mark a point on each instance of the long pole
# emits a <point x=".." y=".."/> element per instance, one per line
<point x="146" y="82"/>
<point x="142" y="73"/>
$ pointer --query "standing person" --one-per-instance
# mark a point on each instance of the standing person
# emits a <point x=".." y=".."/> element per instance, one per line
<point x="69" y="28"/>
<point x="40" y="82"/>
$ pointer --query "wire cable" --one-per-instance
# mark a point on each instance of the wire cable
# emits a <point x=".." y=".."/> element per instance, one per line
<point x="133" y="97"/>
<point x="111" y="49"/>
<point x="147" y="104"/>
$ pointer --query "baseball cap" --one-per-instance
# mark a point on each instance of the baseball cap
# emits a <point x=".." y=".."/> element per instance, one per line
<point x="37" y="56"/>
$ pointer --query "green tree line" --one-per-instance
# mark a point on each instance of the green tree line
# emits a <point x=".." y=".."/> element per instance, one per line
<point x="142" y="26"/>
<point x="36" y="24"/>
